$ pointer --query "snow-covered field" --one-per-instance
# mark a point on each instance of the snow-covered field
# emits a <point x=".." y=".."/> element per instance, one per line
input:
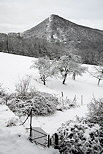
<point x="15" y="67"/>
<point x="12" y="69"/>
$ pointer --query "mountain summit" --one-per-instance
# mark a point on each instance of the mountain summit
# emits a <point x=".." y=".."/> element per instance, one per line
<point x="49" y="29"/>
<point x="55" y="30"/>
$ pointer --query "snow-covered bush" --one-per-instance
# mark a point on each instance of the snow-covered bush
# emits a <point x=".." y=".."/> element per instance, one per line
<point x="96" y="111"/>
<point x="2" y="91"/>
<point x="3" y="95"/>
<point x="2" y="101"/>
<point x="13" y="121"/>
<point x="41" y="104"/>
<point x="44" y="104"/>
<point x="66" y="103"/>
<point x="16" y="105"/>
<point x="80" y="137"/>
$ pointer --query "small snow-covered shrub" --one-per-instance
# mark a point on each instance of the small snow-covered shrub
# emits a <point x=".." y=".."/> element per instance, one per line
<point x="41" y="104"/>
<point x="23" y="86"/>
<point x="2" y="101"/>
<point x="12" y="122"/>
<point x="2" y="91"/>
<point x="80" y="137"/>
<point x="16" y="105"/>
<point x="65" y="103"/>
<point x="3" y="95"/>
<point x="96" y="111"/>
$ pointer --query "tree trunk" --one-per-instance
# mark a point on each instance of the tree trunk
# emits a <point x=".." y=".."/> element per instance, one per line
<point x="43" y="79"/>
<point x="99" y="81"/>
<point x="65" y="76"/>
<point x="44" y="82"/>
<point x="73" y="77"/>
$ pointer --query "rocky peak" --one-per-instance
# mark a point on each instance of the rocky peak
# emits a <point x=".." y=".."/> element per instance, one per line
<point x="55" y="29"/>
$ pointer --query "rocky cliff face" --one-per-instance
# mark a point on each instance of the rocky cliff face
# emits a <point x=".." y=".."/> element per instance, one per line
<point x="53" y="33"/>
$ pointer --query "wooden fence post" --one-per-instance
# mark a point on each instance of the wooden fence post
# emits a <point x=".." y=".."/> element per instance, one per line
<point x="81" y="99"/>
<point x="62" y="94"/>
<point x="49" y="141"/>
<point x="30" y="125"/>
<point x="56" y="141"/>
<point x="62" y="99"/>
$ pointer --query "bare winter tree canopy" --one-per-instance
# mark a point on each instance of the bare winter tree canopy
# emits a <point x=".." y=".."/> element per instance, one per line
<point x="46" y="68"/>
<point x="70" y="64"/>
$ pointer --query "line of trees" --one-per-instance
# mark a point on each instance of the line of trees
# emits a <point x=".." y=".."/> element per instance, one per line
<point x="64" y="66"/>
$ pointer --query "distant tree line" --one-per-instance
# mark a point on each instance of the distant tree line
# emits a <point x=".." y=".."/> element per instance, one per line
<point x="90" y="51"/>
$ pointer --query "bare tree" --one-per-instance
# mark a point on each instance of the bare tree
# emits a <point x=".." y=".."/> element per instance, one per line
<point x="46" y="68"/>
<point x="69" y="64"/>
<point x="77" y="69"/>
<point x="98" y="73"/>
<point x="23" y="86"/>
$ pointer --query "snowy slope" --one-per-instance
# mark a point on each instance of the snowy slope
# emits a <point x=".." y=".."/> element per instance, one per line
<point x="13" y="68"/>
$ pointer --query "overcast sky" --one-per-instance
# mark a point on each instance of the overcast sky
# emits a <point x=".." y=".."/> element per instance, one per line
<point x="20" y="15"/>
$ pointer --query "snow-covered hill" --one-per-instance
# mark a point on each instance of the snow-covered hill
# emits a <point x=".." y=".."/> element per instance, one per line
<point x="12" y="69"/>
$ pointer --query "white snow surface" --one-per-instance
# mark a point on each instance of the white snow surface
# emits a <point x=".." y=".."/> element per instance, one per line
<point x="14" y="67"/>
<point x="13" y="140"/>
<point x="51" y="123"/>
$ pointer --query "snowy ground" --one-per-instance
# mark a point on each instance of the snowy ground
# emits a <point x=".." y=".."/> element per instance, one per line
<point x="14" y="139"/>
<point x="51" y="123"/>
<point x="15" y="67"/>
<point x="12" y="69"/>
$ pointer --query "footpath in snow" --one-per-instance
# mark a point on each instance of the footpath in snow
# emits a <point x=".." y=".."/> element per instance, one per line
<point x="50" y="124"/>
